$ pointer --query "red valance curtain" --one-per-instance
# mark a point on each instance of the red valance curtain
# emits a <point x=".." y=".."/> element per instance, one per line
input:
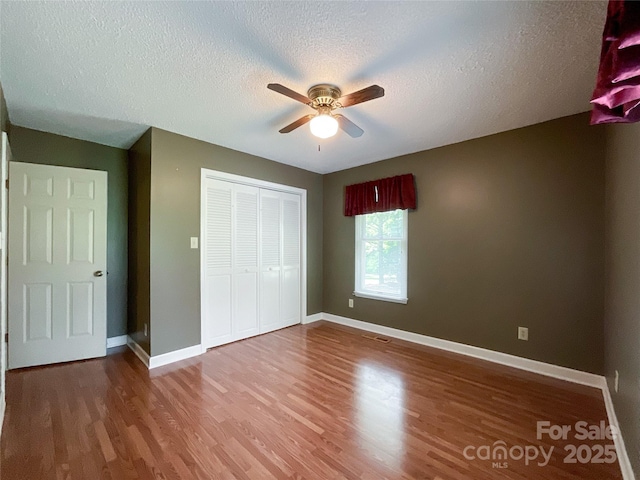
<point x="382" y="195"/>
<point x="616" y="98"/>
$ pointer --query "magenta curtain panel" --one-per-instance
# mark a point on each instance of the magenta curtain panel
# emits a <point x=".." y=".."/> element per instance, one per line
<point x="616" y="98"/>
<point x="381" y="195"/>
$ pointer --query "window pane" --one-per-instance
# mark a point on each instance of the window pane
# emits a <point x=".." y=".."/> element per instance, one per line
<point x="392" y="224"/>
<point x="372" y="226"/>
<point x="383" y="224"/>
<point x="383" y="266"/>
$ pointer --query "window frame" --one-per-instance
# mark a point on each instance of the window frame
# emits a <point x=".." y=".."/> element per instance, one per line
<point x="359" y="291"/>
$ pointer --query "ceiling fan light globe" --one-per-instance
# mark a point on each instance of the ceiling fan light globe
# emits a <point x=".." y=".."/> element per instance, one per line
<point x="323" y="126"/>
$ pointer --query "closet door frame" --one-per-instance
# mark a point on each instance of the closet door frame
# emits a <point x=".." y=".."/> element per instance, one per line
<point x="252" y="182"/>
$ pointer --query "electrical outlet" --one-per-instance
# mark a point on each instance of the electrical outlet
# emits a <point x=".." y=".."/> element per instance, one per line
<point x="523" y="333"/>
<point x="146" y="330"/>
<point x="616" y="381"/>
<point x="351" y="303"/>
<point x="194" y="242"/>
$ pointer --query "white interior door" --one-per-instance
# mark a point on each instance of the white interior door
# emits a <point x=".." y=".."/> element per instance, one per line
<point x="5" y="157"/>
<point x="245" y="261"/>
<point x="57" y="264"/>
<point x="290" y="270"/>
<point x="270" y="260"/>
<point x="218" y="256"/>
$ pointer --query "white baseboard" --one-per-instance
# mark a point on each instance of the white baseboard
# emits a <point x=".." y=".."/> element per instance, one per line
<point x="164" y="359"/>
<point x="175" y="356"/>
<point x="312" y="318"/>
<point x="623" y="457"/>
<point x="535" y="366"/>
<point x="116" y="341"/>
<point x="137" y="349"/>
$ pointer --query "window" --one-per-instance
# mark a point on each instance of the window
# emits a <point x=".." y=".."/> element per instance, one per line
<point x="381" y="256"/>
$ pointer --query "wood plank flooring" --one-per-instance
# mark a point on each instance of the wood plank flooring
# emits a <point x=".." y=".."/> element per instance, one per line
<point x="307" y="402"/>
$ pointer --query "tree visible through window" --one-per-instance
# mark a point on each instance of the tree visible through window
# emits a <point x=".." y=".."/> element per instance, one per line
<point x="381" y="255"/>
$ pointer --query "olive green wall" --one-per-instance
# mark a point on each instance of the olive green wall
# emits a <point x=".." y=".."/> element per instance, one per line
<point x="32" y="146"/>
<point x="508" y="232"/>
<point x="140" y="240"/>
<point x="175" y="216"/>
<point x="622" y="312"/>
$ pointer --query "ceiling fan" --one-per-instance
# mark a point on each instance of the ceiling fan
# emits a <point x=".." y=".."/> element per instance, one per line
<point x="324" y="99"/>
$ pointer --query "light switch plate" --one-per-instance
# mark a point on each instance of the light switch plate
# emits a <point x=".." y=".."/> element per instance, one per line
<point x="194" y="242"/>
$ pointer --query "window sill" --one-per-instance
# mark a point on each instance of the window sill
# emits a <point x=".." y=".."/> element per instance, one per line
<point x="373" y="296"/>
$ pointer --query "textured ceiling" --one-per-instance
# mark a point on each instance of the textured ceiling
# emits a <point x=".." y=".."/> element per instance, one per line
<point x="105" y="71"/>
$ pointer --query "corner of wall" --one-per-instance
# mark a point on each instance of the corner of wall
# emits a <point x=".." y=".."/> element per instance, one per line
<point x="139" y="169"/>
<point x="622" y="280"/>
<point x="5" y="124"/>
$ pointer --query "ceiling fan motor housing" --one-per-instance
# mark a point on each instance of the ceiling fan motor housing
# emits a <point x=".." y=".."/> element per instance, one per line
<point x="324" y="95"/>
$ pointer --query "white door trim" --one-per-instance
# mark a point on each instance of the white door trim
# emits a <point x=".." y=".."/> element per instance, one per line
<point x="5" y="157"/>
<point x="253" y="182"/>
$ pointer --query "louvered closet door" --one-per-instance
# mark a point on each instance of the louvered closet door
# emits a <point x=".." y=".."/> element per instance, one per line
<point x="271" y="255"/>
<point x="252" y="255"/>
<point x="218" y="263"/>
<point x="245" y="265"/>
<point x="290" y="272"/>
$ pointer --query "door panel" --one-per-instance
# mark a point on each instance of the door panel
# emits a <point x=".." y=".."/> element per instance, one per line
<point x="38" y="312"/>
<point x="246" y="228"/>
<point x="290" y="230"/>
<point x="246" y="305"/>
<point x="58" y="240"/>
<point x="270" y="229"/>
<point x="245" y="241"/>
<point x="79" y="309"/>
<point x="81" y="231"/>
<point x="290" y="296"/>
<point x="38" y="184"/>
<point x="270" y="259"/>
<point x="218" y="263"/>
<point x="81" y="189"/>
<point x="38" y="236"/>
<point x="270" y="301"/>
<point x="220" y="326"/>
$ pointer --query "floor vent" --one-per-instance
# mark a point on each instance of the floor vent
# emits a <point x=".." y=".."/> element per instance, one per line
<point x="376" y="338"/>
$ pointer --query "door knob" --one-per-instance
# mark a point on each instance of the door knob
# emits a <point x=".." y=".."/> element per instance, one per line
<point x="98" y="273"/>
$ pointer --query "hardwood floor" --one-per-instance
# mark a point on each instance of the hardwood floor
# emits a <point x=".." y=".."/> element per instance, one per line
<point x="313" y="402"/>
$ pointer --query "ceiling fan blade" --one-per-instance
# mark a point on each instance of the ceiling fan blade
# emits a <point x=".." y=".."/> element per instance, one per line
<point x="364" y="95"/>
<point x="297" y="123"/>
<point x="349" y="127"/>
<point x="276" y="87"/>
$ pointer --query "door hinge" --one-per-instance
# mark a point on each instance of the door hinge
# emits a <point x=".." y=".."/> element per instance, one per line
<point x="6" y="338"/>
<point x="6" y="183"/>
